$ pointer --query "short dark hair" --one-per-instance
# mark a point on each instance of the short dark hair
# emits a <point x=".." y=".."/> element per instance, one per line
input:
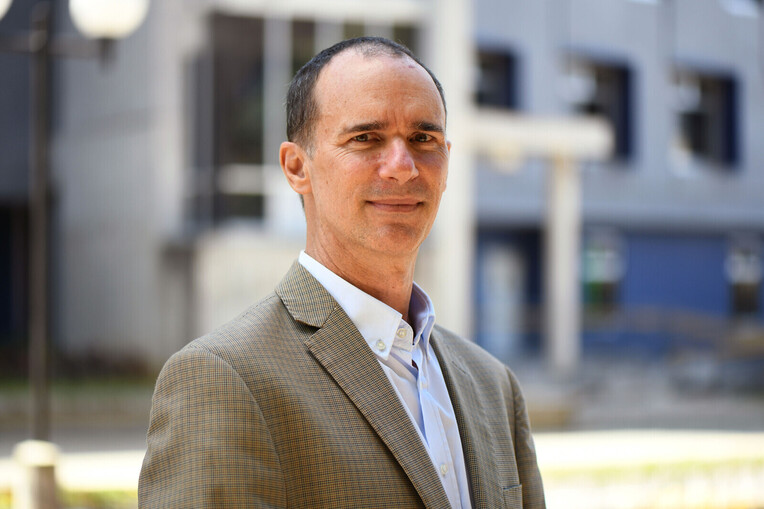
<point x="301" y="106"/>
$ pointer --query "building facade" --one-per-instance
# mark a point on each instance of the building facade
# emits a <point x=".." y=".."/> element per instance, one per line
<point x="672" y="239"/>
<point x="171" y="214"/>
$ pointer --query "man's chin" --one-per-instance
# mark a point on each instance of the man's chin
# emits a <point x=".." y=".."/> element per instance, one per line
<point x="397" y="240"/>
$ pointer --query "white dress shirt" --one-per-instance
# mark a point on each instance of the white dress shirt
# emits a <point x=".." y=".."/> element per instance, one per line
<point x="410" y="364"/>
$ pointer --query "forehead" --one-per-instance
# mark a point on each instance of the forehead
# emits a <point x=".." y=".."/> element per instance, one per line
<point x="354" y="84"/>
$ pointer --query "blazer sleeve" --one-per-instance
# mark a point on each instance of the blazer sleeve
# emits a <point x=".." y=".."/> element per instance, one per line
<point x="208" y="442"/>
<point x="525" y="451"/>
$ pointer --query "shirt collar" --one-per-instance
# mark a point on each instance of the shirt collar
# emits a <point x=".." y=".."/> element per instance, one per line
<point x="422" y="315"/>
<point x="377" y="322"/>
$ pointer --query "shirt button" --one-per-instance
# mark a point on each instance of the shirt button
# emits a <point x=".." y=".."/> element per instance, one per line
<point x="401" y="333"/>
<point x="443" y="469"/>
<point x="380" y="345"/>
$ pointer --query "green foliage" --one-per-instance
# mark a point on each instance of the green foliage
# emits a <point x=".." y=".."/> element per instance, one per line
<point x="85" y="499"/>
<point x="98" y="500"/>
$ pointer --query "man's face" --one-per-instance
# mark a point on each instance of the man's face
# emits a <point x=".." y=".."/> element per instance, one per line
<point x="379" y="157"/>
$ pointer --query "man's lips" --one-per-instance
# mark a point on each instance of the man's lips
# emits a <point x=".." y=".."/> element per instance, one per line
<point x="395" y="204"/>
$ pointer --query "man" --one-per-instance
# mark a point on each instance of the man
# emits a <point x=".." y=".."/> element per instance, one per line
<point x="338" y="390"/>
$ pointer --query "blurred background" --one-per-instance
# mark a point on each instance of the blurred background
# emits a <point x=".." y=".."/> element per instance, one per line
<point x="602" y="231"/>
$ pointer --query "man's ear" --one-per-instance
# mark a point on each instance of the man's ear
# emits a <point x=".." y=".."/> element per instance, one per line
<point x="293" y="161"/>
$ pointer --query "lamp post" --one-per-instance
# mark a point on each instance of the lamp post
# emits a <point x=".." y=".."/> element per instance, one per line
<point x="102" y="22"/>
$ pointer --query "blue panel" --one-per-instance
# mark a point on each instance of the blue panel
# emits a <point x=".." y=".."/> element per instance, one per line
<point x="677" y="272"/>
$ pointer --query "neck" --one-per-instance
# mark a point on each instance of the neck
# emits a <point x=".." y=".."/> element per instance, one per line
<point x="388" y="279"/>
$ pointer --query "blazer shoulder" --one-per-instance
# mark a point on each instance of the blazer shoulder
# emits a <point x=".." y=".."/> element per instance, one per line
<point x="471" y="358"/>
<point x="265" y="328"/>
<point x="469" y="351"/>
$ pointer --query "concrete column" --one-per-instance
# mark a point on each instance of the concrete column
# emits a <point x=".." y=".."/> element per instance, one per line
<point x="35" y="486"/>
<point x="561" y="267"/>
<point x="449" y="52"/>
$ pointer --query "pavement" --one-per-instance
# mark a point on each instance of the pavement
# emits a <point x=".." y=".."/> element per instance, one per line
<point x="617" y="427"/>
<point x="580" y="469"/>
<point x="617" y="394"/>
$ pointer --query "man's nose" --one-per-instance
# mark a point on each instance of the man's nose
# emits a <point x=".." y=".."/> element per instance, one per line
<point x="398" y="162"/>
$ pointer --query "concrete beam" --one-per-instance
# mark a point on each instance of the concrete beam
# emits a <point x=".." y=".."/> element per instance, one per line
<point x="508" y="136"/>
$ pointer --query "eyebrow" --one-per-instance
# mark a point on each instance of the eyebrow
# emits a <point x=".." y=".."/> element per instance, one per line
<point x="429" y="127"/>
<point x="365" y="126"/>
<point x="376" y="126"/>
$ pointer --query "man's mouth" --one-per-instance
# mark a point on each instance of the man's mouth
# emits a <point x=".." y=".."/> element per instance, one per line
<point x="395" y="204"/>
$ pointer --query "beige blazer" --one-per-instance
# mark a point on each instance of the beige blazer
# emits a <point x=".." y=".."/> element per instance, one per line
<point x="286" y="406"/>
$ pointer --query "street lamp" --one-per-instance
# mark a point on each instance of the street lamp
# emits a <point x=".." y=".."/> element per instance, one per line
<point x="110" y="19"/>
<point x="4" y="4"/>
<point x="102" y="22"/>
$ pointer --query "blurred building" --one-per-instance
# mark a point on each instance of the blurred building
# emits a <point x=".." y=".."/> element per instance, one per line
<point x="171" y="214"/>
<point x="673" y="223"/>
<point x="14" y="164"/>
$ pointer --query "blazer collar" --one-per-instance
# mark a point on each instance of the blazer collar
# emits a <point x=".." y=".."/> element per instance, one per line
<point x="476" y="438"/>
<point x="306" y="300"/>
<point x="341" y="350"/>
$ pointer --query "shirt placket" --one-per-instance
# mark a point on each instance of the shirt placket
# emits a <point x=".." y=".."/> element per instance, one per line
<point x="435" y="432"/>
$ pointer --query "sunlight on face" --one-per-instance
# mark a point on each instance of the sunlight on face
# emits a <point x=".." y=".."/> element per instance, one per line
<point x="379" y="161"/>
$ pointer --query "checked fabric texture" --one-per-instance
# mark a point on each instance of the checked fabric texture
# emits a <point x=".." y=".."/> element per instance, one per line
<point x="286" y="406"/>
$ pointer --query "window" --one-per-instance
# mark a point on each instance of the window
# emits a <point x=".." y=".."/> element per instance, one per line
<point x="238" y="116"/>
<point x="603" y="269"/>
<point x="744" y="8"/>
<point x="497" y="79"/>
<point x="352" y="29"/>
<point x="14" y="274"/>
<point x="602" y="89"/>
<point x="303" y="43"/>
<point x="408" y="36"/>
<point x="706" y="118"/>
<point x="743" y="267"/>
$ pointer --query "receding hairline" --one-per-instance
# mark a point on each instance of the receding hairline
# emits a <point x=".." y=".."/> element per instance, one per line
<point x="368" y="49"/>
<point x="368" y="55"/>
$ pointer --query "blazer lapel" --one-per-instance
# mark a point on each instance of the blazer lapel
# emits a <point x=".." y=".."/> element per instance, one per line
<point x="341" y="350"/>
<point x="471" y="419"/>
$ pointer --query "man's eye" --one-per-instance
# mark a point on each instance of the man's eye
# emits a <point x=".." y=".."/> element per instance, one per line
<point x="361" y="137"/>
<point x="422" y="137"/>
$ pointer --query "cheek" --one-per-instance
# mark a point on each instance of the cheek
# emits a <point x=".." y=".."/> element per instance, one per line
<point x="355" y="162"/>
<point x="435" y="159"/>
<point x="437" y="166"/>
<point x="334" y="189"/>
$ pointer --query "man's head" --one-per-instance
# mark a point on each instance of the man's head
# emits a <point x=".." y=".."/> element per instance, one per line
<point x="367" y="151"/>
<point x="301" y="108"/>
